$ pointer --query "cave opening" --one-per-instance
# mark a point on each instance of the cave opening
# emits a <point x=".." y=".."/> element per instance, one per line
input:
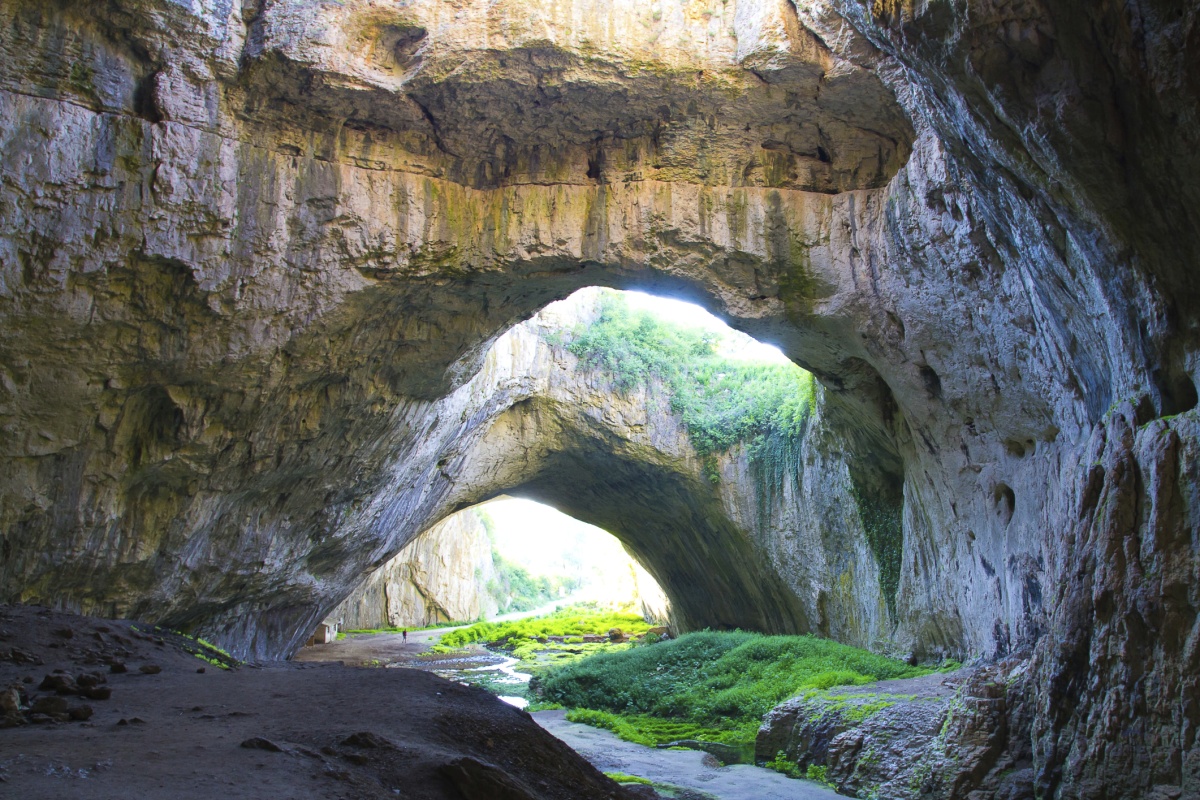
<point x="506" y="558"/>
<point x="638" y="414"/>
<point x="253" y="257"/>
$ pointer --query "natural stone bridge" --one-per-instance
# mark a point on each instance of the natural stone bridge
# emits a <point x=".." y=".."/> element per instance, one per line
<point x="252" y="256"/>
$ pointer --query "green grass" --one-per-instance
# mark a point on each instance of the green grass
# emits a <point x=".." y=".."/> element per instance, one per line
<point x="574" y="621"/>
<point x="708" y="686"/>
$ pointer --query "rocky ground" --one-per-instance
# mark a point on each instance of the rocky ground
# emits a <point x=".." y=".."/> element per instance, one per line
<point x="101" y="709"/>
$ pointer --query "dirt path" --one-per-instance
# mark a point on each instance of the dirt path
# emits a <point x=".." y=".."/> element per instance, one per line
<point x="372" y="649"/>
<point x="689" y="769"/>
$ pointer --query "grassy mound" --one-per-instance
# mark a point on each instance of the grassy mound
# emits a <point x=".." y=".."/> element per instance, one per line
<point x="708" y="686"/>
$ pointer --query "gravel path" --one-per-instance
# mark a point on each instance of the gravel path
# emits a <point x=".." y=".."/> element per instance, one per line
<point x="684" y="768"/>
<point x="364" y="649"/>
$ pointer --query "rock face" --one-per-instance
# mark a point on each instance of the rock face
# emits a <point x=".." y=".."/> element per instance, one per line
<point x="440" y="577"/>
<point x="933" y="737"/>
<point x="656" y="608"/>
<point x="252" y="254"/>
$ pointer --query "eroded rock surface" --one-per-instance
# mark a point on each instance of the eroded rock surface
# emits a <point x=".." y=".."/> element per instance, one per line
<point x="440" y="577"/>
<point x="248" y="251"/>
<point x="940" y="736"/>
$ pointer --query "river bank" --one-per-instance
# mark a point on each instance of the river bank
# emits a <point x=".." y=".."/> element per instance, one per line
<point x="673" y="773"/>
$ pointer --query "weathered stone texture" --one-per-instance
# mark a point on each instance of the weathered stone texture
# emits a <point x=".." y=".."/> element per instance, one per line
<point x="249" y="253"/>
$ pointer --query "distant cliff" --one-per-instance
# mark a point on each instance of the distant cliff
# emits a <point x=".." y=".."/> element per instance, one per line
<point x="443" y="575"/>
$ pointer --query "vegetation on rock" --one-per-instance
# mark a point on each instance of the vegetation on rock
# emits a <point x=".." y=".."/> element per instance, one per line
<point x="516" y="589"/>
<point x="513" y="587"/>
<point x="721" y="401"/>
<point x="881" y="520"/>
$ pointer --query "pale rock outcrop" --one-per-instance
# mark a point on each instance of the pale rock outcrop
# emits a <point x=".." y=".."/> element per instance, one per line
<point x="442" y="576"/>
<point x="655" y="606"/>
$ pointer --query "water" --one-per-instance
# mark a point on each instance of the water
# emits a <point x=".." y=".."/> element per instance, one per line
<point x="505" y="667"/>
<point x="519" y="702"/>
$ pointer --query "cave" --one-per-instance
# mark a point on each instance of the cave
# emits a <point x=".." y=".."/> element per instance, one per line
<point x="271" y="274"/>
<point x="510" y="558"/>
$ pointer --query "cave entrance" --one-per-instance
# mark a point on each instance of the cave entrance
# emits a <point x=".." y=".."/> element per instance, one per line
<point x="503" y="559"/>
<point x="644" y="416"/>
<point x="650" y="419"/>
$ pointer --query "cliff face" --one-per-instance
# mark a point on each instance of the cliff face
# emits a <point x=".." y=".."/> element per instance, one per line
<point x="251" y="256"/>
<point x="441" y="577"/>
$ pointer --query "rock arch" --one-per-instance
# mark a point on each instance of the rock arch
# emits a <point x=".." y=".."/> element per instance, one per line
<point x="278" y="234"/>
<point x="533" y="423"/>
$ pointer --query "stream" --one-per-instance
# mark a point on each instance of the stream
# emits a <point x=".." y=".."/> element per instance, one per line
<point x="679" y="774"/>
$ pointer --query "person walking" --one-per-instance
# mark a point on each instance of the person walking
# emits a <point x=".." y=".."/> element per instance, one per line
<point x="404" y="633"/>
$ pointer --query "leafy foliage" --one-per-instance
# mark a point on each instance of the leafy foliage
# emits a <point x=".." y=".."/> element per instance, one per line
<point x="820" y="774"/>
<point x="515" y="589"/>
<point x="721" y="401"/>
<point x="782" y="764"/>
<point x="708" y="685"/>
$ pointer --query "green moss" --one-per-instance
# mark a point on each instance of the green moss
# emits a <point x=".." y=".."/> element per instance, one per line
<point x="651" y="731"/>
<point x="621" y="777"/>
<point x="81" y="77"/>
<point x="573" y="621"/>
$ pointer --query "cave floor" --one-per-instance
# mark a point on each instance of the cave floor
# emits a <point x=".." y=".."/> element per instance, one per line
<point x="269" y="731"/>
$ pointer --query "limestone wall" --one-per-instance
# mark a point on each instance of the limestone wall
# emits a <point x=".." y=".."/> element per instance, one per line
<point x="250" y="254"/>
<point x="442" y="576"/>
